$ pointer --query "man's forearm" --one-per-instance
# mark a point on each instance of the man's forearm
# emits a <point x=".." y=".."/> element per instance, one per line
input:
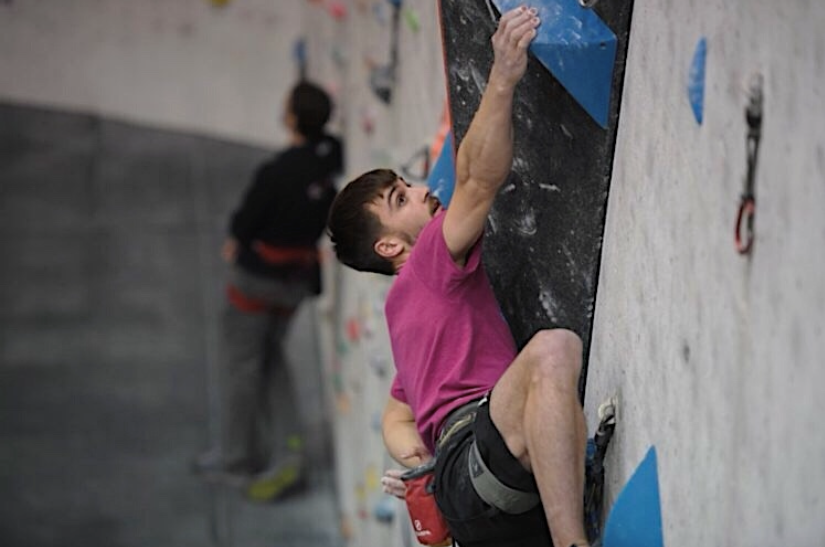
<point x="486" y="153"/>
<point x="401" y="436"/>
<point x="404" y="443"/>
<point x="488" y="146"/>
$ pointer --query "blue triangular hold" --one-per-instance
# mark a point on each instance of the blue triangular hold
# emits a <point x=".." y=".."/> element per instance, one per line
<point x="696" y="81"/>
<point x="441" y="181"/>
<point x="636" y="518"/>
<point x="578" y="48"/>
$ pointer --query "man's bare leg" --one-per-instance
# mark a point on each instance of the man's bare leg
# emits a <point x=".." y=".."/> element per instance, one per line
<point x="535" y="405"/>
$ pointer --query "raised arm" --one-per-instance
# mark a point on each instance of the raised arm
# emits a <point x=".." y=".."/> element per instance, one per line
<point x="485" y="155"/>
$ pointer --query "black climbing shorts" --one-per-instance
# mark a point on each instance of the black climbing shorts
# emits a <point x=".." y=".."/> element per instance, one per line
<point x="472" y="522"/>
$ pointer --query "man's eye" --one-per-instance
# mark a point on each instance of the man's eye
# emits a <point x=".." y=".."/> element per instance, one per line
<point x="402" y="200"/>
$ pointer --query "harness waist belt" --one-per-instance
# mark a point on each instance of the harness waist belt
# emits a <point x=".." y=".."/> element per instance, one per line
<point x="456" y="421"/>
<point x="285" y="255"/>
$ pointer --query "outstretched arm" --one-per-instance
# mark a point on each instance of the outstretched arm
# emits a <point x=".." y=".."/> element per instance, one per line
<point x="485" y="155"/>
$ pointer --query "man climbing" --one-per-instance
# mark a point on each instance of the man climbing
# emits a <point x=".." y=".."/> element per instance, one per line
<point x="506" y="428"/>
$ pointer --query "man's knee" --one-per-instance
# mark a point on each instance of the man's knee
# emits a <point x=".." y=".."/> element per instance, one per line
<point x="555" y="353"/>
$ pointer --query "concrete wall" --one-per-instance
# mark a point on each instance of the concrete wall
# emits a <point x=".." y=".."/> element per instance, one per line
<point x="716" y="356"/>
<point x="177" y="64"/>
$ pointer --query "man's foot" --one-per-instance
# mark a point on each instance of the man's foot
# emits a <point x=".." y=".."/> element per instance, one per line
<point x="276" y="482"/>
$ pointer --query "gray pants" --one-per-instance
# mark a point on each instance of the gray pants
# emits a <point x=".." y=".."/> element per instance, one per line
<point x="260" y="416"/>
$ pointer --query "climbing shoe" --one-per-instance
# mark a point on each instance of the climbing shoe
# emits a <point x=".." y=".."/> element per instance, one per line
<point x="275" y="483"/>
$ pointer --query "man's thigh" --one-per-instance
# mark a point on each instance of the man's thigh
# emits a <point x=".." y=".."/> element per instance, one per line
<point x="551" y="353"/>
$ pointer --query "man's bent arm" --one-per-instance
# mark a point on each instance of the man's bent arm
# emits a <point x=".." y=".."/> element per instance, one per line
<point x="485" y="155"/>
<point x="401" y="436"/>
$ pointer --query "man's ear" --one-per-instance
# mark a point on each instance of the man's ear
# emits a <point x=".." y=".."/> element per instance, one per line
<point x="389" y="247"/>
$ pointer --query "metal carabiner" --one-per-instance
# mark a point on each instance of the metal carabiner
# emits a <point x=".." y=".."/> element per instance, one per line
<point x="747" y="209"/>
<point x="747" y="203"/>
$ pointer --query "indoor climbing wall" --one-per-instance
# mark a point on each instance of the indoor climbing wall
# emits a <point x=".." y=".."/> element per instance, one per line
<point x="544" y="234"/>
<point x="699" y="292"/>
<point x="383" y="59"/>
<point x="713" y="344"/>
<point x="708" y="318"/>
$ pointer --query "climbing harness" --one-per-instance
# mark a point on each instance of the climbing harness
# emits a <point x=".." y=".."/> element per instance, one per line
<point x="747" y="202"/>
<point x="493" y="491"/>
<point x="488" y="487"/>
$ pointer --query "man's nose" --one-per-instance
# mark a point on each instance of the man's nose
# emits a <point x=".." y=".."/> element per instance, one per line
<point x="423" y="192"/>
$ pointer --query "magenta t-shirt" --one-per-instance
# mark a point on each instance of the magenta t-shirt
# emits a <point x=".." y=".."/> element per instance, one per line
<point x="449" y="340"/>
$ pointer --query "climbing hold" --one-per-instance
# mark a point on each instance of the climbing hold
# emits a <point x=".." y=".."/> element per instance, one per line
<point x="382" y="81"/>
<point x="299" y="55"/>
<point x="353" y="327"/>
<point x="412" y="20"/>
<point x="578" y="48"/>
<point x="372" y="479"/>
<point x="441" y="181"/>
<point x="337" y="9"/>
<point x="299" y="51"/>
<point x="384" y="510"/>
<point x="376" y="421"/>
<point x="696" y="80"/>
<point x="367" y="120"/>
<point x="338" y="56"/>
<point x="379" y="365"/>
<point x="343" y="404"/>
<point x="379" y="11"/>
<point x="636" y="517"/>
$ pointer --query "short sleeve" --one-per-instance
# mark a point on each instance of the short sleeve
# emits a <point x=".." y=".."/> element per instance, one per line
<point x="397" y="391"/>
<point x="432" y="263"/>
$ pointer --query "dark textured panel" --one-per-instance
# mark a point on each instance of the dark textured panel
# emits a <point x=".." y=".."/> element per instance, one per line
<point x="44" y="276"/>
<point x="143" y="175"/>
<point x="224" y="171"/>
<point x="46" y="161"/>
<point x="109" y="286"/>
<point x="545" y="230"/>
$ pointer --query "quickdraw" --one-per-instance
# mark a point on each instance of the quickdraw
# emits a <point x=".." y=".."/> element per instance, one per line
<point x="747" y="203"/>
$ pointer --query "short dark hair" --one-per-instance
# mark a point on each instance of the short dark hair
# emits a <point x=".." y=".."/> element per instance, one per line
<point x="354" y="229"/>
<point x="312" y="108"/>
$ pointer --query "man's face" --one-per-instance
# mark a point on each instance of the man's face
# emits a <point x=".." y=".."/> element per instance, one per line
<point x="404" y="210"/>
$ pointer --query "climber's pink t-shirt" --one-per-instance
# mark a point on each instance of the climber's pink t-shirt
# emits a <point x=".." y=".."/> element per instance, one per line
<point x="449" y="340"/>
